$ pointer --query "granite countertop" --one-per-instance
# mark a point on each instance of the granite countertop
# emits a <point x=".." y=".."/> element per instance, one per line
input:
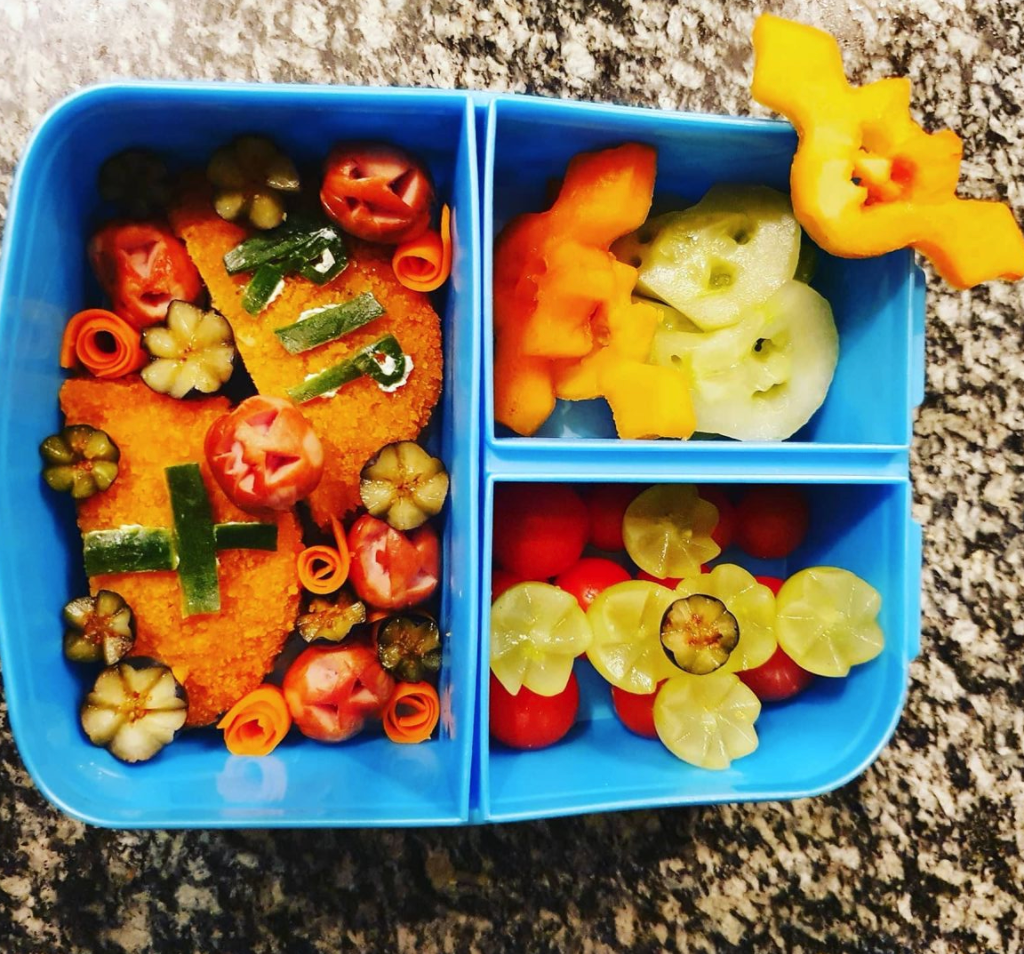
<point x="922" y="853"/>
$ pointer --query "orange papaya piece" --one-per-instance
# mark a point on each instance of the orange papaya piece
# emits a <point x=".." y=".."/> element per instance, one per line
<point x="606" y="194"/>
<point x="647" y="400"/>
<point x="524" y="390"/>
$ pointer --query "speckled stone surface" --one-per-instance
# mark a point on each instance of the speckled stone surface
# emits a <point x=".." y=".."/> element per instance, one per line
<point x="921" y="854"/>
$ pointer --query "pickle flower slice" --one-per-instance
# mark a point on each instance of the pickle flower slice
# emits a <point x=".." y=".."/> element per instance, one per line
<point x="403" y="485"/>
<point x="79" y="460"/>
<point x="194" y="351"/>
<point x="750" y="603"/>
<point x="249" y="176"/>
<point x="135" y="708"/>
<point x="98" y="628"/>
<point x="698" y="633"/>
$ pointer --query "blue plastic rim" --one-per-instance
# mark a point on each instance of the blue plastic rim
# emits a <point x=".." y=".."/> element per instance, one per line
<point x="808" y="745"/>
<point x="868" y="409"/>
<point x="44" y="278"/>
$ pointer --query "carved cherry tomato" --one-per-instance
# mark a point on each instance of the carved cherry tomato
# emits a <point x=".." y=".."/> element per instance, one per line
<point x="264" y="454"/>
<point x="390" y="569"/>
<point x="143" y="267"/>
<point x="527" y="720"/>
<point x="332" y="690"/>
<point x="377" y="192"/>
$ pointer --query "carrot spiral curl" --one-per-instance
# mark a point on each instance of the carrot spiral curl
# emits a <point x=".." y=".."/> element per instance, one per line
<point x="412" y="713"/>
<point x="424" y="263"/>
<point x="256" y="724"/>
<point x="102" y="343"/>
<point x="323" y="569"/>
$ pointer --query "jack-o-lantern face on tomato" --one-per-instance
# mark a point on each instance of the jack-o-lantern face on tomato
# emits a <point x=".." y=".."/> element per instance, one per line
<point x="264" y="454"/>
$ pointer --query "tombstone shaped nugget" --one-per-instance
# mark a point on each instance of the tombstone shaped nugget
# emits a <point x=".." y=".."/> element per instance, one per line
<point x="215" y="592"/>
<point x="355" y="420"/>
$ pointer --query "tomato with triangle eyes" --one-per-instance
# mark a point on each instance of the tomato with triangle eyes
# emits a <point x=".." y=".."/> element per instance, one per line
<point x="377" y="192"/>
<point x="143" y="267"/>
<point x="264" y="454"/>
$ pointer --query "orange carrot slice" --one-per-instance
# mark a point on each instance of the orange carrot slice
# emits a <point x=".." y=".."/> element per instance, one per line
<point x="425" y="263"/>
<point x="341" y="545"/>
<point x="257" y="723"/>
<point x="412" y="713"/>
<point x="323" y="569"/>
<point x="102" y="343"/>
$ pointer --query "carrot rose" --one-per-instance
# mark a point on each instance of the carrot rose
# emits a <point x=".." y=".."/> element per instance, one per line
<point x="412" y="713"/>
<point x="257" y="723"/>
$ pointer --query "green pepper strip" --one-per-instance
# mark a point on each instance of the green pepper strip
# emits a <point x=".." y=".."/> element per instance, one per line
<point x="329" y="324"/>
<point x="195" y="539"/>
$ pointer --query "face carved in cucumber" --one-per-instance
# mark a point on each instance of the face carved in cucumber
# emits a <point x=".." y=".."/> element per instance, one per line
<point x="763" y="378"/>
<point x="698" y="634"/>
<point x="719" y="257"/>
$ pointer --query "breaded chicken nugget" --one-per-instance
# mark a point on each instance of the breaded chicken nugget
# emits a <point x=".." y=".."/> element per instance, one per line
<point x="219" y="656"/>
<point x="360" y="418"/>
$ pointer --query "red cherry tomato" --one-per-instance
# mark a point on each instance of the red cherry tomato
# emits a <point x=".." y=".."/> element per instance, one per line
<point x="589" y="577"/>
<point x="771" y="522"/>
<point x="636" y="711"/>
<point x="390" y="569"/>
<point x="377" y="192"/>
<point x="607" y="505"/>
<point x="772" y="582"/>
<point x="502" y="580"/>
<point x="529" y="721"/>
<point x="779" y="678"/>
<point x="264" y="454"/>
<point x="332" y="690"/>
<point x="540" y="530"/>
<point x="143" y="267"/>
<point x="725" y="530"/>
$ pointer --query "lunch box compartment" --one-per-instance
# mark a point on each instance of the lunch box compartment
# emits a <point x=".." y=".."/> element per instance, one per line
<point x="45" y="279"/>
<point x="813" y="743"/>
<point x="878" y="303"/>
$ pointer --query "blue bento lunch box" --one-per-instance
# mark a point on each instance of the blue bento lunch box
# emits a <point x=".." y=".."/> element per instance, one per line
<point x="852" y="457"/>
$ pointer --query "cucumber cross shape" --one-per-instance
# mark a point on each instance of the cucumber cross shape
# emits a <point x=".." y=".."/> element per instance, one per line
<point x="189" y="547"/>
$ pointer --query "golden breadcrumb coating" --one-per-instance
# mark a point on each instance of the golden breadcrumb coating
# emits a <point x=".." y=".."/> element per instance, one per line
<point x="360" y="419"/>
<point x="220" y="656"/>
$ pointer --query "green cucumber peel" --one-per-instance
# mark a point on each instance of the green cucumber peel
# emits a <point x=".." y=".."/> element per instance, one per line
<point x="194" y="539"/>
<point x="245" y="536"/>
<point x="128" y="550"/>
<point x="370" y="361"/>
<point x="262" y="287"/>
<point x="331" y="261"/>
<point x="321" y="325"/>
